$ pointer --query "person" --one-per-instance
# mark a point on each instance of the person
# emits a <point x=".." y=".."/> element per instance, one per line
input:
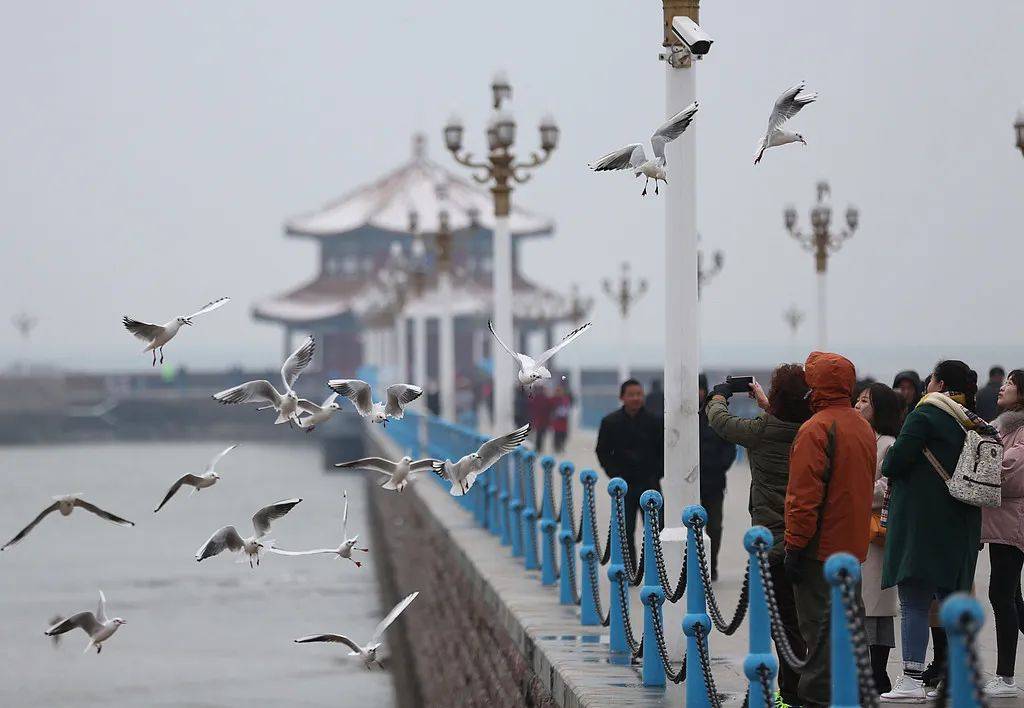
<point x="655" y="401"/>
<point x="1002" y="528"/>
<point x="931" y="545"/>
<point x="882" y="407"/>
<point x="988" y="396"/>
<point x="716" y="457"/>
<point x="561" y="409"/>
<point x="908" y="384"/>
<point x="630" y="446"/>
<point x="539" y="407"/>
<point x="768" y="439"/>
<point x="828" y="505"/>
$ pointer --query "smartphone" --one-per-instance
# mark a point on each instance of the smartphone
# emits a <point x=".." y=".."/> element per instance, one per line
<point x="739" y="384"/>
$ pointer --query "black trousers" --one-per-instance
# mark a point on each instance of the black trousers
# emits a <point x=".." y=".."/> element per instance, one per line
<point x="713" y="503"/>
<point x="789" y="679"/>
<point x="1007" y="604"/>
<point x="560" y="441"/>
<point x="632" y="502"/>
<point x="539" y="435"/>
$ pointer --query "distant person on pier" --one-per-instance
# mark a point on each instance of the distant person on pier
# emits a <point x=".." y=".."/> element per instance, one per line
<point x="908" y="384"/>
<point x="768" y="439"/>
<point x="561" y="410"/>
<point x="716" y="457"/>
<point x="655" y="401"/>
<point x="630" y="446"/>
<point x="988" y="395"/>
<point x="828" y="505"/>
<point x="539" y="406"/>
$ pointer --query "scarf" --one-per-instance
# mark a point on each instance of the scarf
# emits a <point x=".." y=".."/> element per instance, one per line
<point x="968" y="420"/>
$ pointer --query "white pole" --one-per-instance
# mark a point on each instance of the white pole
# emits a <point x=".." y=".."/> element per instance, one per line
<point x="822" y="313"/>
<point x="419" y="354"/>
<point x="624" y="350"/>
<point x="446" y="347"/>
<point x="502" y="274"/>
<point x="401" y="351"/>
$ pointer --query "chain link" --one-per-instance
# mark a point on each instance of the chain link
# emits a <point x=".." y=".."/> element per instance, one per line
<point x="659" y="637"/>
<point x="596" y="594"/>
<point x="855" y="627"/>
<point x="635" y="648"/>
<point x="592" y="513"/>
<point x="671" y="595"/>
<point x="973" y="668"/>
<point x="764" y="678"/>
<point x="712" y="601"/>
<point x="705" y="667"/>
<point x="549" y="492"/>
<point x="554" y="552"/>
<point x="634" y="573"/>
<point x="568" y="543"/>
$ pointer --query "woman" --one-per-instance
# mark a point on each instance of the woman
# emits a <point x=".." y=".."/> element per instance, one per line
<point x="931" y="547"/>
<point x="883" y="408"/>
<point x="768" y="439"/>
<point x="561" y="409"/>
<point x="1003" y="529"/>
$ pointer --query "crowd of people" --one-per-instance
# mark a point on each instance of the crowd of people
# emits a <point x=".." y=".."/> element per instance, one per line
<point x="841" y="465"/>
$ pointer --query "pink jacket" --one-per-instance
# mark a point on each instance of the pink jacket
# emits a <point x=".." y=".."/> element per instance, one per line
<point x="1005" y="524"/>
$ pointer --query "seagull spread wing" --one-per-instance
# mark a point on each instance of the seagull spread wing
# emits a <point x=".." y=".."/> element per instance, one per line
<point x="329" y="400"/>
<point x="397" y="396"/>
<point x="391" y="617"/>
<point x="521" y="359"/>
<point x="298" y="361"/>
<point x="356" y="391"/>
<point x="621" y="159"/>
<point x="81" y="503"/>
<point x="337" y="638"/>
<point x="421" y="465"/>
<point x="143" y="330"/>
<point x="788" y="105"/>
<point x="261" y="391"/>
<point x="344" y="517"/>
<point x="672" y="129"/>
<point x="189" y="479"/>
<point x="374" y="464"/>
<point x="32" y="524"/>
<point x="442" y="469"/>
<point x="262" y="518"/>
<point x="217" y="458"/>
<point x="85" y="620"/>
<point x="492" y="450"/>
<point x="101" y="609"/>
<point x="210" y="307"/>
<point x="315" y="551"/>
<point x="565" y="341"/>
<point x="222" y="538"/>
<point x="307" y="406"/>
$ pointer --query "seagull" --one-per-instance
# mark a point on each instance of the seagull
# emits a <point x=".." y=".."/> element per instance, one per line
<point x="158" y="335"/>
<point x="367" y="653"/>
<point x="463" y="474"/>
<point x="399" y="474"/>
<point x="633" y="156"/>
<point x="286" y="404"/>
<point x="532" y="370"/>
<point x="359" y="393"/>
<point x="197" y="482"/>
<point x="228" y="537"/>
<point x="65" y="504"/>
<point x="318" y="414"/>
<point x="343" y="551"/>
<point x="97" y="626"/>
<point x="787" y="106"/>
<point x="56" y="637"/>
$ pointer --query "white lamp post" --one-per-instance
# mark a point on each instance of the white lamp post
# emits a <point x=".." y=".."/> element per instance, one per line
<point x="1018" y="126"/>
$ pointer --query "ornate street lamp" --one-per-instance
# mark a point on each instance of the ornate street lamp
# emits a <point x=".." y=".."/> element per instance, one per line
<point x="705" y="275"/>
<point x="24" y="323"/>
<point x="625" y="295"/>
<point x="1018" y="126"/>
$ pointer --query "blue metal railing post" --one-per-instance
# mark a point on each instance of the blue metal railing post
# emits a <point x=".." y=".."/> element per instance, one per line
<point x="588" y="553"/>
<point x="493" y="501"/>
<point x="961" y="615"/>
<point x="504" y="470"/>
<point x="617" y="642"/>
<point x="549" y="573"/>
<point x="760" y="621"/>
<point x="652" y="671"/>
<point x="696" y="608"/>
<point x="481" y="487"/>
<point x="845" y="688"/>
<point x="566" y="538"/>
<point x="514" y="521"/>
<point x="529" y="525"/>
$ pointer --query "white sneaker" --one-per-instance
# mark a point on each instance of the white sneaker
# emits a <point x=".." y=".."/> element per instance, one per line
<point x="997" y="688"/>
<point x="906" y="690"/>
<point x="934" y="692"/>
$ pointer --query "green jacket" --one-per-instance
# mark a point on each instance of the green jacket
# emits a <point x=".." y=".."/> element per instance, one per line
<point x="931" y="536"/>
<point x="768" y="441"/>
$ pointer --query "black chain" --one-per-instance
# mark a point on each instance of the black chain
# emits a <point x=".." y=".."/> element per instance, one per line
<point x="712" y="601"/>
<point x="553" y="550"/>
<point x="549" y="491"/>
<point x="568" y="543"/>
<point x="764" y="678"/>
<point x="592" y="570"/>
<point x="529" y="486"/>
<point x="634" y="573"/>
<point x="592" y="513"/>
<point x="577" y="533"/>
<point x="635" y="648"/>
<point x="672" y="595"/>
<point x="778" y="631"/>
<point x="973" y="667"/>
<point x="705" y="667"/>
<point x="855" y="627"/>
<point x="659" y="638"/>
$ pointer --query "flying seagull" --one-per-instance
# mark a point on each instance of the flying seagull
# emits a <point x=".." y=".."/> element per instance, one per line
<point x="158" y="335"/>
<point x="65" y="504"/>
<point x="197" y="482"/>
<point x="56" y="637"/>
<point x="398" y="474"/>
<point x="343" y="551"/>
<point x="634" y="157"/>
<point x="398" y="395"/>
<point x="228" y="538"/>
<point x="463" y="474"/>
<point x="324" y="412"/>
<point x="288" y="405"/>
<point x="532" y="370"/>
<point x="367" y="653"/>
<point x="97" y="626"/>
<point x="787" y="106"/>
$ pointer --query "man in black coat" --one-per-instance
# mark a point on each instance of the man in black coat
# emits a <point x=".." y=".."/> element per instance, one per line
<point x="716" y="457"/>
<point x="630" y="445"/>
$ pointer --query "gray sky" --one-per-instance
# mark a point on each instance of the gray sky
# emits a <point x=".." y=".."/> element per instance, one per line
<point x="151" y="151"/>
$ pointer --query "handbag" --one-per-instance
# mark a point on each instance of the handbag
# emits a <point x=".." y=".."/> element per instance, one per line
<point x="977" y="479"/>
<point x="877" y="530"/>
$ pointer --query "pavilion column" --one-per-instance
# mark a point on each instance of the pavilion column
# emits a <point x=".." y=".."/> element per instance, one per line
<point x="401" y="350"/>
<point x="477" y="345"/>
<point x="446" y="347"/>
<point x="419" y="377"/>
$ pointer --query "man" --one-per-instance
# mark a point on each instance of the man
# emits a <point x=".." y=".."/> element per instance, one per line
<point x="716" y="457"/>
<point x="629" y="445"/>
<point x="908" y="384"/>
<point x="989" y="393"/>
<point x="828" y="504"/>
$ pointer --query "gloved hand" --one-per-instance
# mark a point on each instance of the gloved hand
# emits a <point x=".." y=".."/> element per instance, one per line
<point x="722" y="389"/>
<point x="791" y="565"/>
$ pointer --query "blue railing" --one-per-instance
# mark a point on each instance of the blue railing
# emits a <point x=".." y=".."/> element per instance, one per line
<point x="503" y="501"/>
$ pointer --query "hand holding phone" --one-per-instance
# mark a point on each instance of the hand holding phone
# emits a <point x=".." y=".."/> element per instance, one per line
<point x="739" y="384"/>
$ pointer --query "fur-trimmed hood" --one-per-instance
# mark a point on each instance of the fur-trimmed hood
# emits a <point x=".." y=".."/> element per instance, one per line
<point x="1009" y="422"/>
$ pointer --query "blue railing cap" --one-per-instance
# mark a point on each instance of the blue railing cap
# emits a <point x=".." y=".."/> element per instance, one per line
<point x="530" y="455"/>
<point x="755" y="534"/>
<point x="694" y="510"/>
<point x="588" y="476"/>
<point x="649" y="496"/>
<point x="837" y="563"/>
<point x="547" y="461"/>
<point x="957" y="607"/>
<point x="566" y="468"/>
<point x="617" y="484"/>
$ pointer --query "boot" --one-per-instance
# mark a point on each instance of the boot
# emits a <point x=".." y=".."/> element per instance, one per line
<point x="937" y="669"/>
<point x="879" y="668"/>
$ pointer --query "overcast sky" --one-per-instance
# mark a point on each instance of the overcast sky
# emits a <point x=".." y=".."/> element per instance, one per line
<point x="150" y="152"/>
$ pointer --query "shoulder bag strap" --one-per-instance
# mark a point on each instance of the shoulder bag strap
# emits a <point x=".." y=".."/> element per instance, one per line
<point x="936" y="465"/>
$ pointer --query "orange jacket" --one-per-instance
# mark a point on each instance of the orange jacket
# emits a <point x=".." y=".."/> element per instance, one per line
<point x="835" y="448"/>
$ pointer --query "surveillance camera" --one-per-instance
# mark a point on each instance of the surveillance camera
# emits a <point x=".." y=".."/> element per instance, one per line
<point x="690" y="34"/>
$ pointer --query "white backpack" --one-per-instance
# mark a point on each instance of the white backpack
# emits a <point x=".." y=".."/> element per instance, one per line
<point x="977" y="479"/>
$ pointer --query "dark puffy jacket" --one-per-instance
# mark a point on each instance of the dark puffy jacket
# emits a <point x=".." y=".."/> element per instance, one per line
<point x="768" y="441"/>
<point x="716" y="457"/>
<point x="631" y="447"/>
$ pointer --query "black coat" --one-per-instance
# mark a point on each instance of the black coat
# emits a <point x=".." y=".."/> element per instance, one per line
<point x="632" y="447"/>
<point x="716" y="457"/>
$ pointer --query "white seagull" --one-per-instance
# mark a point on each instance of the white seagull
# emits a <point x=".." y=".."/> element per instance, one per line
<point x="633" y="156"/>
<point x="463" y="474"/>
<point x="65" y="504"/>
<point x="787" y="106"/>
<point x="197" y="482"/>
<point x="322" y="413"/>
<point x="398" y="395"/>
<point x="158" y="335"/>
<point x="343" y="551"/>
<point x="367" y="653"/>
<point x="398" y="474"/>
<point x="532" y="370"/>
<point x="228" y="538"/>
<point x="288" y="405"/>
<point x="97" y="626"/>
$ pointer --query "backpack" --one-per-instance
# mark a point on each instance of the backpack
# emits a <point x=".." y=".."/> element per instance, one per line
<point x="977" y="479"/>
